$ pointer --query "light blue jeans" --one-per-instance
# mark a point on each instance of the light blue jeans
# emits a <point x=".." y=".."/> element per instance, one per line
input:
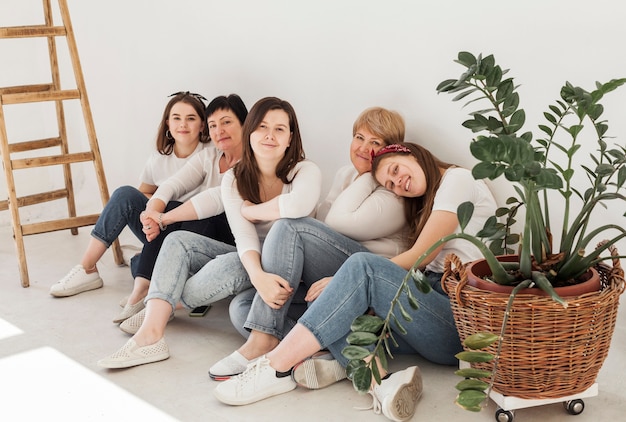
<point x="196" y="270"/>
<point x="368" y="281"/>
<point x="301" y="249"/>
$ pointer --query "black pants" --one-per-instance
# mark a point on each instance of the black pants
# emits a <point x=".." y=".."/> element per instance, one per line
<point x="214" y="227"/>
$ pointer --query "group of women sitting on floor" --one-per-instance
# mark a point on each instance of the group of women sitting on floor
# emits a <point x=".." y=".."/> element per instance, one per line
<point x="229" y="206"/>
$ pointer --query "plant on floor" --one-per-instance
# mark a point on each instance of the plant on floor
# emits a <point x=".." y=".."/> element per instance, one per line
<point x="541" y="171"/>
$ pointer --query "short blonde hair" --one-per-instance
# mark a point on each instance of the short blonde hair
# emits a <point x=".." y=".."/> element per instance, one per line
<point x="388" y="125"/>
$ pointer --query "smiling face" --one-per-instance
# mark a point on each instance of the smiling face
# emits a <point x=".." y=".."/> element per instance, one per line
<point x="272" y="136"/>
<point x="225" y="129"/>
<point x="401" y="174"/>
<point x="184" y="124"/>
<point x="363" y="143"/>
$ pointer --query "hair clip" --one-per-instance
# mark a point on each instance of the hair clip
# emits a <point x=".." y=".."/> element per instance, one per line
<point x="193" y="94"/>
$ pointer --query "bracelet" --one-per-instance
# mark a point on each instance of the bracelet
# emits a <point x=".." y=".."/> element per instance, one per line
<point x="160" y="222"/>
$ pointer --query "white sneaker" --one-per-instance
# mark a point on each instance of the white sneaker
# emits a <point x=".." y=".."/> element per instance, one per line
<point x="397" y="395"/>
<point x="259" y="381"/>
<point x="75" y="282"/>
<point x="231" y="365"/>
<point x="318" y="372"/>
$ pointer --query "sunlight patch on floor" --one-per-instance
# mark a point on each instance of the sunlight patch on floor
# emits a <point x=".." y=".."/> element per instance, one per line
<point x="44" y="384"/>
<point x="7" y="330"/>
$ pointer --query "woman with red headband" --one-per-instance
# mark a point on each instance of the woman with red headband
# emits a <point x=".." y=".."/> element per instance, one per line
<point x="433" y="190"/>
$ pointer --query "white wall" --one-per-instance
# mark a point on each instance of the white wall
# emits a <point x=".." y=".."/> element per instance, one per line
<point x="329" y="58"/>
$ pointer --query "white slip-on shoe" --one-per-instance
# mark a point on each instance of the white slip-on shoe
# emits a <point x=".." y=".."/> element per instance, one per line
<point x="231" y="365"/>
<point x="75" y="282"/>
<point x="132" y="355"/>
<point x="128" y="311"/>
<point x="258" y="382"/>
<point x="132" y="324"/>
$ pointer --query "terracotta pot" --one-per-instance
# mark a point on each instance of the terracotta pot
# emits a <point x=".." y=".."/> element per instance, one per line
<point x="477" y="270"/>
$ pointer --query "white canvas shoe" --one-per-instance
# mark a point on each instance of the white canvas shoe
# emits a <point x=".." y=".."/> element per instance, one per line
<point x="75" y="282"/>
<point x="258" y="382"/>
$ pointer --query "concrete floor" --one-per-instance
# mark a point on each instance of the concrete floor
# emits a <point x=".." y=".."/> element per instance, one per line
<point x="49" y="348"/>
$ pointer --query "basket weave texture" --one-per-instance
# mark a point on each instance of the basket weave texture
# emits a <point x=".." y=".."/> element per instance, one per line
<point x="547" y="351"/>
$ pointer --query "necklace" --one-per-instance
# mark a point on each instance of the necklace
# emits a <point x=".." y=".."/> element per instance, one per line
<point x="265" y="188"/>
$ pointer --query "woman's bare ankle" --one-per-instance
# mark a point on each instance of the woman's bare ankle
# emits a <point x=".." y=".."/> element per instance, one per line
<point x="258" y="346"/>
<point x="93" y="269"/>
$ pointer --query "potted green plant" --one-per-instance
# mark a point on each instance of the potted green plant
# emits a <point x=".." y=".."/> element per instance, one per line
<point x="541" y="171"/>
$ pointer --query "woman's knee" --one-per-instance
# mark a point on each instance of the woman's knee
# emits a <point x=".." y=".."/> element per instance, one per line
<point x="124" y="192"/>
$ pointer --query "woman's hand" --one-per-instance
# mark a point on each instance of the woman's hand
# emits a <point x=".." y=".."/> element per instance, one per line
<point x="316" y="289"/>
<point x="274" y="290"/>
<point x="151" y="215"/>
<point x="150" y="226"/>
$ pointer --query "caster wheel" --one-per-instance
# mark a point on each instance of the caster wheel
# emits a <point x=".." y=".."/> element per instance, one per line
<point x="574" y="407"/>
<point x="504" y="415"/>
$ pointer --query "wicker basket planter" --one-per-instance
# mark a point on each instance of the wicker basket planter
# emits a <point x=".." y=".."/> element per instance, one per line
<point x="547" y="351"/>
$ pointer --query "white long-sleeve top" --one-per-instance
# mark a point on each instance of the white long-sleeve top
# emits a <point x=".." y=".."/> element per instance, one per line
<point x="297" y="199"/>
<point x="200" y="172"/>
<point x="161" y="167"/>
<point x="358" y="207"/>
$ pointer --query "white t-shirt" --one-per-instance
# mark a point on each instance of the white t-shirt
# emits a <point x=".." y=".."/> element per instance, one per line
<point x="200" y="172"/>
<point x="298" y="199"/>
<point x="160" y="167"/>
<point x="358" y="207"/>
<point x="458" y="186"/>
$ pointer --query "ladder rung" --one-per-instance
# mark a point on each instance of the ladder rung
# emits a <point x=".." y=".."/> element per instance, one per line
<point x="26" y="88"/>
<point x="52" y="160"/>
<point x="33" y="97"/>
<point x="4" y="205"/>
<point x="38" y="198"/>
<point x="31" y="145"/>
<point x="54" y="225"/>
<point x="32" y="31"/>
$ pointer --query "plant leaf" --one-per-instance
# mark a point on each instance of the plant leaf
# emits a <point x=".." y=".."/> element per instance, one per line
<point x="355" y="352"/>
<point x="368" y="323"/>
<point x="470" y="399"/>
<point x="362" y="379"/>
<point x="480" y="340"/>
<point x="361" y="338"/>
<point x="472" y="384"/>
<point x="464" y="213"/>
<point x="472" y="373"/>
<point x="474" y="356"/>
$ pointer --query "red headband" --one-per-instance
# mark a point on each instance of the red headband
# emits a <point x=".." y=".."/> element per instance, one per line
<point x="390" y="148"/>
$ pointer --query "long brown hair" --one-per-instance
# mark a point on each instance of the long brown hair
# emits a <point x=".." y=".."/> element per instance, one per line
<point x="165" y="145"/>
<point x="246" y="170"/>
<point x="417" y="210"/>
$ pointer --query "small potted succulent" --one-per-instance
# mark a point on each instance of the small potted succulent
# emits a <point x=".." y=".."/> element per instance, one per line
<point x="541" y="172"/>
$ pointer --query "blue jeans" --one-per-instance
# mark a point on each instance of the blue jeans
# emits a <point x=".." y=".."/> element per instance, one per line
<point x="240" y="305"/>
<point x="196" y="270"/>
<point x="302" y="249"/>
<point x="123" y="209"/>
<point x="368" y="281"/>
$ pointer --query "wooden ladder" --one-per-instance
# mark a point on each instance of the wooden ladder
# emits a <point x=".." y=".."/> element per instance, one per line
<point x="49" y="92"/>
